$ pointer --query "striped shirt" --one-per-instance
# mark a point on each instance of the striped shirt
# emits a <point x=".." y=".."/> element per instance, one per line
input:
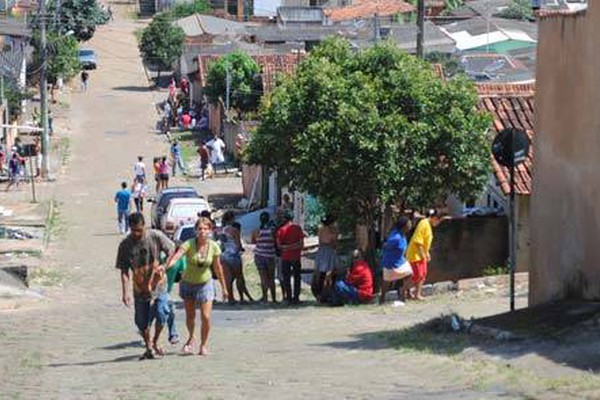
<point x="265" y="244"/>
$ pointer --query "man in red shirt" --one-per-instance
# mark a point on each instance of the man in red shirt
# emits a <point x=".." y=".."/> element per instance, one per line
<point x="290" y="241"/>
<point x="358" y="286"/>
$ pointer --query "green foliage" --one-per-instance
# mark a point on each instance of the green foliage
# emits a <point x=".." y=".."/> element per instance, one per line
<point x="63" y="55"/>
<point x="14" y="96"/>
<point x="362" y="129"/>
<point x="314" y="212"/>
<point x="161" y="43"/>
<point x="493" y="270"/>
<point x="518" y="9"/>
<point x="245" y="81"/>
<point x="182" y="10"/>
<point x="80" y="16"/>
<point x="450" y="62"/>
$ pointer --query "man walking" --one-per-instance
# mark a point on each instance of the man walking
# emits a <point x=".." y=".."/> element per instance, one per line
<point x="177" y="160"/>
<point x="139" y="170"/>
<point x="85" y="76"/>
<point x="217" y="155"/>
<point x="138" y="258"/>
<point x="290" y="241"/>
<point x="123" y="200"/>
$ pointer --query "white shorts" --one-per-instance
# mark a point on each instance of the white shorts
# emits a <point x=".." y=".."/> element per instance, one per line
<point x="401" y="272"/>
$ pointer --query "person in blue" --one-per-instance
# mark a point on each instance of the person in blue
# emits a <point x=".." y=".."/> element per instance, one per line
<point x="123" y="200"/>
<point x="393" y="260"/>
<point x="177" y="160"/>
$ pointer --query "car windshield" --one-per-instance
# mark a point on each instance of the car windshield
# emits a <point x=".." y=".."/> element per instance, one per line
<point x="164" y="200"/>
<point x="86" y="52"/>
<point x="186" y="210"/>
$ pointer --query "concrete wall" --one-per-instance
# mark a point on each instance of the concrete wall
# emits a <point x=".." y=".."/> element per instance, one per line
<point x="565" y="217"/>
<point x="463" y="248"/>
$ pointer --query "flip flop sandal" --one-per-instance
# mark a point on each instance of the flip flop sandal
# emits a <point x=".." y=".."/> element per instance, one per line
<point x="188" y="348"/>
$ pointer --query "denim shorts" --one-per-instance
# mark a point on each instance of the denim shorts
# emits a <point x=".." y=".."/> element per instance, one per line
<point x="232" y="261"/>
<point x="201" y="293"/>
<point x="147" y="310"/>
<point x="264" y="263"/>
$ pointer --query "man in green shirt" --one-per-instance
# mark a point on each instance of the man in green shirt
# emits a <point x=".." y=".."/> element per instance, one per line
<point x="138" y="260"/>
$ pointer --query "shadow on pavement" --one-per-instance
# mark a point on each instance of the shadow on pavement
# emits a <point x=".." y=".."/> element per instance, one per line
<point x="92" y="363"/>
<point x="566" y="334"/>
<point x="125" y="345"/>
<point x="132" y="88"/>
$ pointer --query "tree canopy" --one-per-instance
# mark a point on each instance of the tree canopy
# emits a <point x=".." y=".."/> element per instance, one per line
<point x="518" y="9"/>
<point x="63" y="55"/>
<point x="376" y="127"/>
<point x="79" y="16"/>
<point x="182" y="10"/>
<point x="245" y="82"/>
<point x="161" y="43"/>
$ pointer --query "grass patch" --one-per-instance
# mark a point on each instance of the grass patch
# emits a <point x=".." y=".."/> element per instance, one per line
<point x="46" y="276"/>
<point x="431" y="337"/>
<point x="187" y="142"/>
<point x="138" y="33"/>
<point x="64" y="150"/>
<point x="492" y="270"/>
<point x="31" y="361"/>
<point x="54" y="223"/>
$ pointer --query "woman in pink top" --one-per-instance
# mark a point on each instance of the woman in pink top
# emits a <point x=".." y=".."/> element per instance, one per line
<point x="163" y="171"/>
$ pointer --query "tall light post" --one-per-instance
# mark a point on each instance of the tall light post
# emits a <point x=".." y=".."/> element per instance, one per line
<point x="44" y="92"/>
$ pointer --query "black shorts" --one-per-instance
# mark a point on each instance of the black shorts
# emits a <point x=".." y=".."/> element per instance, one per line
<point x="164" y="177"/>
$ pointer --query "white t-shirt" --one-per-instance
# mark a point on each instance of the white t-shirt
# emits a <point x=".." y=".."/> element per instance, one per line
<point x="216" y="151"/>
<point x="139" y="168"/>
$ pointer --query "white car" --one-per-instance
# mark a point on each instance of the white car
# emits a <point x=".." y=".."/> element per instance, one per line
<point x="182" y="212"/>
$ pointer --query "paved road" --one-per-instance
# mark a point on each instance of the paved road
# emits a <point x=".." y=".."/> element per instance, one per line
<point x="81" y="343"/>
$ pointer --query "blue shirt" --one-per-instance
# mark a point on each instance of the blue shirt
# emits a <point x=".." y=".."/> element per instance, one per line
<point x="176" y="150"/>
<point x="394" y="249"/>
<point x="122" y="198"/>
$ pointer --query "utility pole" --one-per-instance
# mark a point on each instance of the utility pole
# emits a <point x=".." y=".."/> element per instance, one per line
<point x="376" y="33"/>
<point x="420" y="27"/>
<point x="4" y="105"/>
<point x="44" y="91"/>
<point x="227" y="87"/>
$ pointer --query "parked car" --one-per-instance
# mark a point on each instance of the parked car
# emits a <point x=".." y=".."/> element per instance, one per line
<point x="182" y="211"/>
<point x="184" y="233"/>
<point x="87" y="58"/>
<point x="161" y="202"/>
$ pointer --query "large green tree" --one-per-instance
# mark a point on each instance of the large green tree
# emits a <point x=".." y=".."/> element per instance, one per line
<point x="245" y="88"/>
<point x="361" y="130"/>
<point x="81" y="17"/>
<point x="161" y="43"/>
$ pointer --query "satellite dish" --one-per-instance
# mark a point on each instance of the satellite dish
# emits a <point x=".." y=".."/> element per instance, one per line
<point x="511" y="147"/>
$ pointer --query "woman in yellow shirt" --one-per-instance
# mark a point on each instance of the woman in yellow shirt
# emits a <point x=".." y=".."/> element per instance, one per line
<point x="196" y="287"/>
<point x="418" y="252"/>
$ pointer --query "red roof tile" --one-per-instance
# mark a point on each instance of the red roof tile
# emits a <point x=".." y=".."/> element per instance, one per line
<point x="368" y="8"/>
<point x="271" y="66"/>
<point x="560" y="13"/>
<point x="505" y="89"/>
<point x="512" y="106"/>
